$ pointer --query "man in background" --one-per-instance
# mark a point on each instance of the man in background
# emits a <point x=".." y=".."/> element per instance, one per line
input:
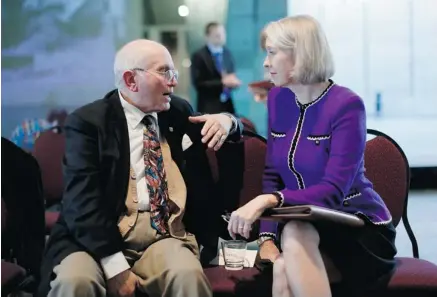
<point x="213" y="72"/>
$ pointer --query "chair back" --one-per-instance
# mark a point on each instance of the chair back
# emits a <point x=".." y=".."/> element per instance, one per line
<point x="23" y="199"/>
<point x="237" y="169"/>
<point x="49" y="151"/>
<point x="388" y="169"/>
<point x="248" y="124"/>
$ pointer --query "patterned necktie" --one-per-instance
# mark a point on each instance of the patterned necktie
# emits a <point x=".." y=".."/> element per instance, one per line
<point x="156" y="177"/>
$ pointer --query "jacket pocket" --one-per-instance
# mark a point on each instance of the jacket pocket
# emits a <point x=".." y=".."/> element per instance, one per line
<point x="276" y="134"/>
<point x="351" y="195"/>
<point x="319" y="137"/>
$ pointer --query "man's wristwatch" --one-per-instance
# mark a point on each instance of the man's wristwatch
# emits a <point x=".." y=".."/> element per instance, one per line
<point x="234" y="122"/>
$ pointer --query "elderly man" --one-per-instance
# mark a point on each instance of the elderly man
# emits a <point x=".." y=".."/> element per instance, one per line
<point x="121" y="229"/>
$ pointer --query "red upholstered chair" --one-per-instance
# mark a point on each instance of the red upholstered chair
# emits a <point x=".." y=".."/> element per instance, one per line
<point x="388" y="169"/>
<point x="12" y="277"/>
<point x="49" y="151"/>
<point x="248" y="124"/>
<point x="237" y="169"/>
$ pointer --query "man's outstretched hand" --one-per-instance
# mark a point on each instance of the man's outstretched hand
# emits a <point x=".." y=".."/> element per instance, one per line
<point x="215" y="129"/>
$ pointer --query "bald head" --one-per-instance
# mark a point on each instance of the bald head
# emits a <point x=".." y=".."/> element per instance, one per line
<point x="145" y="75"/>
<point x="140" y="53"/>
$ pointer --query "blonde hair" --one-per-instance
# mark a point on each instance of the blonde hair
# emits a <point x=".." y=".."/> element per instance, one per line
<point x="304" y="38"/>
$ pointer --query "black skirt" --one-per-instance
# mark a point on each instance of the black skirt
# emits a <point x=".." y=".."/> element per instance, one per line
<point x="364" y="256"/>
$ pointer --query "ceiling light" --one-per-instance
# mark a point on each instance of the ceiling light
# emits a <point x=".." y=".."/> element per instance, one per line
<point x="183" y="11"/>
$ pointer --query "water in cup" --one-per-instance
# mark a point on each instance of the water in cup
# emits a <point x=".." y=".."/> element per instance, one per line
<point x="234" y="253"/>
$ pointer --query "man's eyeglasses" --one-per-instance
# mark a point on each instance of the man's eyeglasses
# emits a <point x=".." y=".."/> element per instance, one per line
<point x="169" y="75"/>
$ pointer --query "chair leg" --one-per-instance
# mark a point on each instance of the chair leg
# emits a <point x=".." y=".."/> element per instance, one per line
<point x="410" y="235"/>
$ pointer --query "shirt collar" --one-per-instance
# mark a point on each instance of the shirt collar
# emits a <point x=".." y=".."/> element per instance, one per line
<point x="215" y="49"/>
<point x="134" y="116"/>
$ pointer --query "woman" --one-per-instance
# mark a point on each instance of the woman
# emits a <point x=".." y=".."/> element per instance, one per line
<point x="315" y="155"/>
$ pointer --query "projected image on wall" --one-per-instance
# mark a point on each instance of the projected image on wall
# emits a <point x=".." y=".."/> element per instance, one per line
<point x="56" y="50"/>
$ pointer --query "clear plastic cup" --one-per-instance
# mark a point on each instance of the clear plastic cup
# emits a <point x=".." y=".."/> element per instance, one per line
<point x="234" y="253"/>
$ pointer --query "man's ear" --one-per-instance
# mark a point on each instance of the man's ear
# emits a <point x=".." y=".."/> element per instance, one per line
<point x="129" y="81"/>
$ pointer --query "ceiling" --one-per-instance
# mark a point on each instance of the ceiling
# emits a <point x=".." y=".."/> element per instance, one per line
<point x="162" y="12"/>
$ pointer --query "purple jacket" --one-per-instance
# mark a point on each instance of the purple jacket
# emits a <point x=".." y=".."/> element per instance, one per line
<point x="315" y="154"/>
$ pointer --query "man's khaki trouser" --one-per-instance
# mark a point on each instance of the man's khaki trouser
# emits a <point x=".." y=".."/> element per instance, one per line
<point x="165" y="266"/>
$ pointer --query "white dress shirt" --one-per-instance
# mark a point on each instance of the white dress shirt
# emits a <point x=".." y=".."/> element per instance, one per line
<point x="215" y="49"/>
<point x="115" y="264"/>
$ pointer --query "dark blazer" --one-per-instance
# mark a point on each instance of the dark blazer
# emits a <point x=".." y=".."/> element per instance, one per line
<point x="96" y="172"/>
<point x="207" y="81"/>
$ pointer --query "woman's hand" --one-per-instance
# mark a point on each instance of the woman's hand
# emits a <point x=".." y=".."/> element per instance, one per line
<point x="242" y="219"/>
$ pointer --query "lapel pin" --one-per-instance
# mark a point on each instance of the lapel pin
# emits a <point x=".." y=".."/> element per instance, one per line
<point x="170" y="129"/>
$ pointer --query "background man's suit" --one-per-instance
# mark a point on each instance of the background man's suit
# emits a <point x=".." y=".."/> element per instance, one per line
<point x="207" y="80"/>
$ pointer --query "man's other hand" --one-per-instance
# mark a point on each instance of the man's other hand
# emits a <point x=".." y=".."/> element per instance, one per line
<point x="231" y="81"/>
<point x="215" y="130"/>
<point x="259" y="94"/>
<point x="123" y="284"/>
